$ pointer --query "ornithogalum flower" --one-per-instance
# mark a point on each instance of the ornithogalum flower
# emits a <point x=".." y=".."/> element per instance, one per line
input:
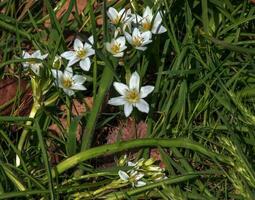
<point x="150" y="22"/>
<point x="132" y="95"/>
<point x="139" y="39"/>
<point x="67" y="81"/>
<point x="34" y="65"/>
<point x="117" y="46"/>
<point x="119" y="18"/>
<point x="133" y="177"/>
<point x="81" y="53"/>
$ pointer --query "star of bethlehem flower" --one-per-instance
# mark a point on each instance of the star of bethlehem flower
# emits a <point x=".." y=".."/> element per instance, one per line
<point x="139" y="39"/>
<point x="149" y="22"/>
<point x="133" y="177"/>
<point x="116" y="46"/>
<point x="33" y="65"/>
<point x="80" y="54"/>
<point x="132" y="95"/>
<point x="67" y="81"/>
<point x="119" y="18"/>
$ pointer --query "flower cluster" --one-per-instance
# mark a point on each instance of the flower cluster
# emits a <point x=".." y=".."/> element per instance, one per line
<point x="135" y="29"/>
<point x="141" y="172"/>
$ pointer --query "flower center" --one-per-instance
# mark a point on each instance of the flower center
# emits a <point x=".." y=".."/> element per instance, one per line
<point x="137" y="41"/>
<point x="67" y="82"/>
<point x="146" y="26"/>
<point x="132" y="96"/>
<point x="115" y="48"/>
<point x="81" y="53"/>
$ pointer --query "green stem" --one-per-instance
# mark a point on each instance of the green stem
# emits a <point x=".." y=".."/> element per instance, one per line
<point x="106" y="81"/>
<point x="138" y="143"/>
<point x="24" y="133"/>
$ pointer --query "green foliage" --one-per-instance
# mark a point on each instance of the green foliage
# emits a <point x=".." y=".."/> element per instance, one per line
<point x="202" y="114"/>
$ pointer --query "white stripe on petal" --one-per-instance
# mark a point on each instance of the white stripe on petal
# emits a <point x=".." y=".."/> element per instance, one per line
<point x="78" y="87"/>
<point x="120" y="87"/>
<point x="71" y="62"/>
<point x="146" y="90"/>
<point x="117" y="101"/>
<point x="134" y="82"/>
<point x="143" y="106"/>
<point x="69" y="92"/>
<point x="128" y="108"/>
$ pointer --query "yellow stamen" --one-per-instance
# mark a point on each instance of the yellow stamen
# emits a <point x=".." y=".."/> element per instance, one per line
<point x="81" y="53"/>
<point x="146" y="26"/>
<point x="67" y="82"/>
<point x="115" y="48"/>
<point x="137" y="41"/>
<point x="132" y="96"/>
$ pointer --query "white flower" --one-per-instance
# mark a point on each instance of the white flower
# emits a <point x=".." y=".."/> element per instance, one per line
<point x="34" y="65"/>
<point x="132" y="95"/>
<point x="139" y="39"/>
<point x="121" y="17"/>
<point x="133" y="178"/>
<point x="149" y="22"/>
<point x="81" y="53"/>
<point x="67" y="81"/>
<point x="117" y="46"/>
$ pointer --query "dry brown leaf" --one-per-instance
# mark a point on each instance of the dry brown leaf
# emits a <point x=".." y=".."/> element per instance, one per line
<point x="81" y="4"/>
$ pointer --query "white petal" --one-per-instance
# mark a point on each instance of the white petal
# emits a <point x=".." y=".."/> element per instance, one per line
<point x="78" y="79"/>
<point x="140" y="184"/>
<point x="141" y="48"/>
<point x="77" y="44"/>
<point x="108" y="47"/>
<point x="69" y="55"/>
<point x="112" y="13"/>
<point x="143" y="106"/>
<point x="117" y="101"/>
<point x="69" y="92"/>
<point x="91" y="39"/>
<point x="146" y="90"/>
<point x="36" y="69"/>
<point x="134" y="82"/>
<point x="44" y="56"/>
<point x="73" y="61"/>
<point x="128" y="37"/>
<point x="36" y="54"/>
<point x="121" y="41"/>
<point x="68" y="72"/>
<point x="118" y="55"/>
<point x="78" y="87"/>
<point x="136" y="33"/>
<point x="146" y="36"/>
<point x="147" y="13"/>
<point x="123" y="175"/>
<point x="25" y="55"/>
<point x="128" y="108"/>
<point x="90" y="52"/>
<point x="131" y="164"/>
<point x="139" y="176"/>
<point x="121" y="88"/>
<point x="85" y="64"/>
<point x="159" y="30"/>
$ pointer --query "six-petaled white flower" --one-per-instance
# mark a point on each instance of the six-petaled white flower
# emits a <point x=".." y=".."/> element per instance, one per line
<point x="81" y="53"/>
<point x="67" y="81"/>
<point x="34" y="65"/>
<point x="149" y="22"/>
<point x="139" y="39"/>
<point x="132" y="95"/>
<point x="121" y="17"/>
<point x="117" y="46"/>
<point x="134" y="178"/>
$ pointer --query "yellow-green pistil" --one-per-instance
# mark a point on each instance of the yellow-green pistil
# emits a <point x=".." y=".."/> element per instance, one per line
<point x="81" y="53"/>
<point x="146" y="26"/>
<point x="132" y="96"/>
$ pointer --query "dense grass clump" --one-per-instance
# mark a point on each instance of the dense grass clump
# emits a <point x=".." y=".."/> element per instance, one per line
<point x="127" y="99"/>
